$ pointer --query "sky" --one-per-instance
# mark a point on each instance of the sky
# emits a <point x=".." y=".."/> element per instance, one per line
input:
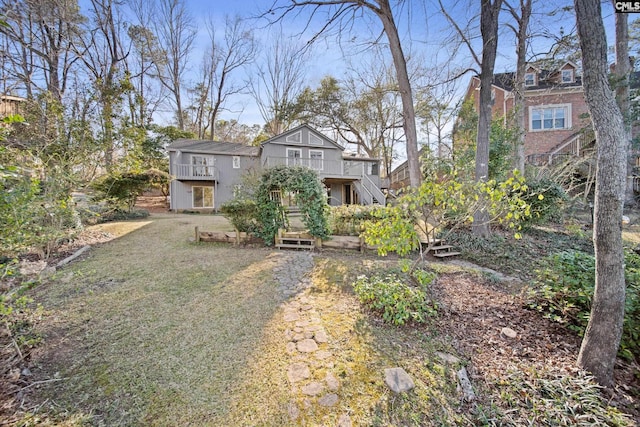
<point x="425" y="35"/>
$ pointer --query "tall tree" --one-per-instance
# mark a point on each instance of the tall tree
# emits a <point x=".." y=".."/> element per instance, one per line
<point x="176" y="34"/>
<point x="102" y="54"/>
<point x="489" y="13"/>
<point x="278" y="82"/>
<point x="602" y="336"/>
<point x="42" y="34"/>
<point x="521" y="31"/>
<point x="342" y="13"/>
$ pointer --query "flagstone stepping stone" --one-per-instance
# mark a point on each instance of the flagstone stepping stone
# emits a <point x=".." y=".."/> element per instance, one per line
<point x="291" y="347"/>
<point x="328" y="400"/>
<point x="298" y="337"/>
<point x="302" y="324"/>
<point x="344" y="421"/>
<point x="294" y="412"/>
<point x="298" y="372"/>
<point x="447" y="358"/>
<point x="321" y="336"/>
<point x="332" y="382"/>
<point x="291" y="316"/>
<point x="307" y="346"/>
<point x="398" y="380"/>
<point x="322" y="354"/>
<point x="313" y="388"/>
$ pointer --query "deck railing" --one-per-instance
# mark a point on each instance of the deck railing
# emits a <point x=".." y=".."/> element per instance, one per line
<point x="195" y="172"/>
<point x="334" y="168"/>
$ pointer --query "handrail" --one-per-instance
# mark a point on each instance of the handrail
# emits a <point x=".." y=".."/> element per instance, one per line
<point x="379" y="196"/>
<point x="196" y="171"/>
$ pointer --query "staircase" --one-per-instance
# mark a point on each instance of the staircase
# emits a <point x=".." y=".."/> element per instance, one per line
<point x="443" y="251"/>
<point x="294" y="240"/>
<point x="577" y="145"/>
<point x="369" y="192"/>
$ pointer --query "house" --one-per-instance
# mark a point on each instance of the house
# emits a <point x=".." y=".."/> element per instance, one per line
<point x="557" y="120"/>
<point x="207" y="173"/>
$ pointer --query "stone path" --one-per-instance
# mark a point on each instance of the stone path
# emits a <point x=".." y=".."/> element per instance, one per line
<point x="306" y="341"/>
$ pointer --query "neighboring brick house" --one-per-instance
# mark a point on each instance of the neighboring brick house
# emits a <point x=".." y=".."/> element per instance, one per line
<point x="556" y="114"/>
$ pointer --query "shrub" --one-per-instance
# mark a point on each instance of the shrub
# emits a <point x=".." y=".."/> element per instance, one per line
<point x="242" y="214"/>
<point x="397" y="302"/>
<point x="348" y="220"/>
<point x="120" y="189"/>
<point x="548" y="207"/>
<point x="564" y="290"/>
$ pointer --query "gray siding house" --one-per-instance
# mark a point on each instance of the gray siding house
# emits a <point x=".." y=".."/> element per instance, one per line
<point x="206" y="173"/>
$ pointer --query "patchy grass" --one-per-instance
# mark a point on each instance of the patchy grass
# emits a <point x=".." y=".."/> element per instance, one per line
<point x="152" y="329"/>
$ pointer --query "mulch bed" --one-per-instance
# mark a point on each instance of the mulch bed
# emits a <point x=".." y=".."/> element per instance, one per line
<point x="474" y="314"/>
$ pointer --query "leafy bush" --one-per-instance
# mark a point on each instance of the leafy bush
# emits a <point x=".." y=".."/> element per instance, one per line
<point x="348" y="220"/>
<point x="394" y="299"/>
<point x="242" y="214"/>
<point x="120" y="189"/>
<point x="549" y="206"/>
<point x="309" y="196"/>
<point x="564" y="290"/>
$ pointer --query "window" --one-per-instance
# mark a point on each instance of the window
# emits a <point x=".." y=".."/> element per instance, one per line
<point x="202" y="197"/>
<point x="316" y="159"/>
<point x="529" y="79"/>
<point x="315" y="139"/>
<point x="294" y="157"/>
<point x="373" y="168"/>
<point x="202" y="165"/>
<point x="294" y="137"/>
<point x="550" y="117"/>
<point x="236" y="162"/>
<point x="567" y="76"/>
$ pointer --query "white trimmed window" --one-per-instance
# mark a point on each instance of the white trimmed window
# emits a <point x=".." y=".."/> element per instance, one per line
<point x="315" y="139"/>
<point x="316" y="159"/>
<point x="296" y="138"/>
<point x="236" y="162"/>
<point x="202" y="197"/>
<point x="529" y="79"/>
<point x="550" y="117"/>
<point x="567" y="76"/>
<point x="294" y="157"/>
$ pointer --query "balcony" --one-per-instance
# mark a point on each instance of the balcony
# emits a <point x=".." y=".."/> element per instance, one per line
<point x="325" y="168"/>
<point x="195" y="172"/>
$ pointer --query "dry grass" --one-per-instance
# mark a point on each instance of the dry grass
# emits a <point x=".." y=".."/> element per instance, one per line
<point x="153" y="329"/>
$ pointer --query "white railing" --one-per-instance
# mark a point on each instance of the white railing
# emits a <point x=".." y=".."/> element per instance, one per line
<point x="371" y="187"/>
<point x="195" y="172"/>
<point x="346" y="168"/>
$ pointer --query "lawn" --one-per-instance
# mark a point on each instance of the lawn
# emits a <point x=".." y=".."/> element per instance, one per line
<point x="154" y="329"/>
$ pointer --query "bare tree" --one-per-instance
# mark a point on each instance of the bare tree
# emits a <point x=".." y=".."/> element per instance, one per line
<point x="342" y="14"/>
<point x="42" y="34"/>
<point x="237" y="50"/>
<point x="489" y="13"/>
<point x="604" y="330"/>
<point x="176" y="34"/>
<point x="102" y="54"/>
<point x="278" y="82"/>
<point x="521" y="31"/>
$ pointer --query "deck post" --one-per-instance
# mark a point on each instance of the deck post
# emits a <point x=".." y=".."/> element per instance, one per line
<point x="197" y="234"/>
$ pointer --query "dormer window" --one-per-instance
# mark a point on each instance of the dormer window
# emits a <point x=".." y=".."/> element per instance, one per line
<point x="567" y="76"/>
<point x="529" y="79"/>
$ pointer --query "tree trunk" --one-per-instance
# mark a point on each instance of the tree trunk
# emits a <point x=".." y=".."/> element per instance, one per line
<point x="489" y="30"/>
<point x="621" y="74"/>
<point x="404" y="85"/>
<point x="521" y="51"/>
<point x="602" y="336"/>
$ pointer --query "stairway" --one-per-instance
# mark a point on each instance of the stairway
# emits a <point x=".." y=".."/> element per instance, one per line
<point x="294" y="240"/>
<point x="443" y="251"/>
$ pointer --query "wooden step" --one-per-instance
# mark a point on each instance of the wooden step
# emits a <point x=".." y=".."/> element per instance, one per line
<point x="446" y="254"/>
<point x="292" y="246"/>
<point x="440" y="248"/>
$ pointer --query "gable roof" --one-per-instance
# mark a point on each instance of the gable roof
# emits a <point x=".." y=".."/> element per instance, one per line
<point x="213" y="147"/>
<point x="296" y="129"/>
